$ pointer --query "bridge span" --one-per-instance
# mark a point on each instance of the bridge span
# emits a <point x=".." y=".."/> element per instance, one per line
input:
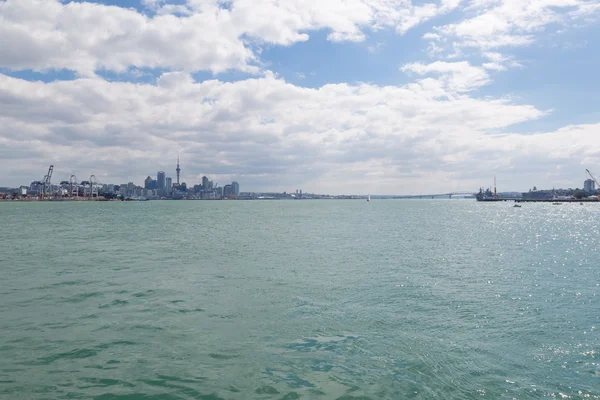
<point x="437" y="195"/>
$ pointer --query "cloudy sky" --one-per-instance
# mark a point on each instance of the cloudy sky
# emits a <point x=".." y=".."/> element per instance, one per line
<point x="328" y="96"/>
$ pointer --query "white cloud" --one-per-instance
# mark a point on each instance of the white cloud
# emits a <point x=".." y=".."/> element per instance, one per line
<point x="414" y="15"/>
<point x="270" y="134"/>
<point x="375" y="48"/>
<point x="431" y="36"/>
<point x="494" y="56"/>
<point x="152" y="4"/>
<point x="173" y="9"/>
<point x="264" y="131"/>
<point x="494" y="66"/>
<point x="85" y="37"/>
<point x="511" y="23"/>
<point x="457" y="76"/>
<point x="588" y="10"/>
<point x="199" y="35"/>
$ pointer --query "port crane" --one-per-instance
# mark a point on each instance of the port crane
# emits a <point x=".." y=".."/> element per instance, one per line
<point x="73" y="186"/>
<point x="46" y="184"/>
<point x="593" y="178"/>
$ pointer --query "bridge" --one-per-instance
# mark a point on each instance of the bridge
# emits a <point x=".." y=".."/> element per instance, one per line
<point x="433" y="196"/>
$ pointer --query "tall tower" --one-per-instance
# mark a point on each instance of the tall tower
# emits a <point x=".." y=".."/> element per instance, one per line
<point x="178" y="170"/>
<point x="160" y="180"/>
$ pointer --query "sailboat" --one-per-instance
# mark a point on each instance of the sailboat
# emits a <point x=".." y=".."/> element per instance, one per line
<point x="369" y="198"/>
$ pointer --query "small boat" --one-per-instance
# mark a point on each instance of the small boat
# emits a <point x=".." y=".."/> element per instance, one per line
<point x="369" y="198"/>
<point x="517" y="205"/>
<point x="556" y="204"/>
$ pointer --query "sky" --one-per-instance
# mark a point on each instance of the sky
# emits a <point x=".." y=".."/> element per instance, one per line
<point x="327" y="96"/>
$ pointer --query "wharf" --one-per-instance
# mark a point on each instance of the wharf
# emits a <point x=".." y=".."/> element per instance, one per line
<point x="557" y="201"/>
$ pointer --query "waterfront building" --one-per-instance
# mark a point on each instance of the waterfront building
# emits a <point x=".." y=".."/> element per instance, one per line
<point x="235" y="187"/>
<point x="160" y="180"/>
<point x="204" y="183"/>
<point x="589" y="186"/>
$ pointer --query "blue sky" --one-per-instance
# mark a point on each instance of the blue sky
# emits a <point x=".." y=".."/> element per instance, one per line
<point x="394" y="95"/>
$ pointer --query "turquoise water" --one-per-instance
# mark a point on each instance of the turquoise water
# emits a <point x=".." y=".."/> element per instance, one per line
<point x="392" y="299"/>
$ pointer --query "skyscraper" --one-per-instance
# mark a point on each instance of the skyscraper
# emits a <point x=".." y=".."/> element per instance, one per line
<point x="204" y="183"/>
<point x="169" y="185"/>
<point x="148" y="183"/>
<point x="178" y="170"/>
<point x="227" y="191"/>
<point x="235" y="188"/>
<point x="160" y="180"/>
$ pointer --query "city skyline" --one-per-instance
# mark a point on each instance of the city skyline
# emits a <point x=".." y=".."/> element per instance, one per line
<point x="589" y="185"/>
<point x="163" y="186"/>
<point x="383" y="96"/>
<point x="160" y="175"/>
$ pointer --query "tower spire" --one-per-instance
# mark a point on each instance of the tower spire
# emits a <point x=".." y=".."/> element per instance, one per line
<point x="178" y="169"/>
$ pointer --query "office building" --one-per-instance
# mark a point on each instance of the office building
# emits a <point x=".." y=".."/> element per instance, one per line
<point x="169" y="185"/>
<point x="204" y="183"/>
<point x="235" y="187"/>
<point x="227" y="191"/>
<point x="160" y="180"/>
<point x="148" y="183"/>
<point x="589" y="186"/>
